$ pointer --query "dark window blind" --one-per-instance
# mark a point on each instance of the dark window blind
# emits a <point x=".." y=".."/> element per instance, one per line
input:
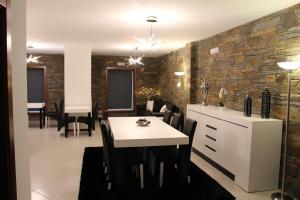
<point x="35" y="85"/>
<point x="120" y="89"/>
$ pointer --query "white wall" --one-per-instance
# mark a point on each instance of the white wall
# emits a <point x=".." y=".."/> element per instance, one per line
<point x="19" y="80"/>
<point x="78" y="89"/>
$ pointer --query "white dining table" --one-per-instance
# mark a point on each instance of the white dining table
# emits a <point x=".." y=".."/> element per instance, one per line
<point x="126" y="133"/>
<point x="41" y="108"/>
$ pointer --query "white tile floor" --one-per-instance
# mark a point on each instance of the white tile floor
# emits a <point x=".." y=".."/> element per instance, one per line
<point x="55" y="165"/>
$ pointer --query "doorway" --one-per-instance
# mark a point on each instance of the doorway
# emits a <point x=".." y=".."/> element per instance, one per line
<point x="7" y="154"/>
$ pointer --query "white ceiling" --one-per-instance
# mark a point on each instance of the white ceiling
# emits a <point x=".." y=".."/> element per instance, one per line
<point x="111" y="25"/>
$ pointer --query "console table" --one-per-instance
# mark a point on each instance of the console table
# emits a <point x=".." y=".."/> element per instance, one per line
<point x="247" y="147"/>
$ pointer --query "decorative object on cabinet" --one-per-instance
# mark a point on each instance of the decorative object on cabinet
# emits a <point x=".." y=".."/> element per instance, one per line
<point x="222" y="95"/>
<point x="266" y="104"/>
<point x="239" y="145"/>
<point x="287" y="66"/>
<point x="248" y="106"/>
<point x="204" y="91"/>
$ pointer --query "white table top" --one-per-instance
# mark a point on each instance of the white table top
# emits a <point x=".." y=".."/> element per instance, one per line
<point x="35" y="105"/>
<point x="77" y="109"/>
<point x="127" y="133"/>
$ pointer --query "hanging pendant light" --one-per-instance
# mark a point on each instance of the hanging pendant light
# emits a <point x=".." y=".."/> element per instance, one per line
<point x="150" y="43"/>
<point x="135" y="60"/>
<point x="31" y="58"/>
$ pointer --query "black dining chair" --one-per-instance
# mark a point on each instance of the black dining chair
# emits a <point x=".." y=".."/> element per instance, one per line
<point x="167" y="116"/>
<point x="177" y="120"/>
<point x="133" y="156"/>
<point x="173" y="155"/>
<point x="90" y="121"/>
<point x="62" y="121"/>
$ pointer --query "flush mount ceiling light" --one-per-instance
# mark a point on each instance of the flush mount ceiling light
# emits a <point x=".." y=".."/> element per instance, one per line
<point x="150" y="43"/>
<point x="135" y="60"/>
<point x="31" y="58"/>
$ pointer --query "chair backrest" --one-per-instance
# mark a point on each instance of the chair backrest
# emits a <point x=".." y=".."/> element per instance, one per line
<point x="177" y="121"/>
<point x="95" y="111"/>
<point x="61" y="106"/>
<point x="58" y="112"/>
<point x="108" y="147"/>
<point x="189" y="129"/>
<point x="167" y="116"/>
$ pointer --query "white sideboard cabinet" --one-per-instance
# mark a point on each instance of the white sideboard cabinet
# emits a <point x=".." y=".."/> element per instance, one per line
<point x="247" y="147"/>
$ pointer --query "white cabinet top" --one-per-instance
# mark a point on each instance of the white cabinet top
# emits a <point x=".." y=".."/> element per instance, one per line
<point x="127" y="133"/>
<point x="228" y="115"/>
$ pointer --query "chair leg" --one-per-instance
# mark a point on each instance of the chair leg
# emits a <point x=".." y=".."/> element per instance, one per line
<point x="142" y="175"/>
<point x="78" y="128"/>
<point x="74" y="128"/>
<point x="161" y="174"/>
<point x="153" y="165"/>
<point x="189" y="179"/>
<point x="136" y="171"/>
<point x="109" y="186"/>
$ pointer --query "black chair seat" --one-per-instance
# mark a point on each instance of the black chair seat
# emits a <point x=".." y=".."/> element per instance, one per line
<point x="71" y="119"/>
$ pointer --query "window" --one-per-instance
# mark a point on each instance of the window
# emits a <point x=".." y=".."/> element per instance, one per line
<point x="120" y="89"/>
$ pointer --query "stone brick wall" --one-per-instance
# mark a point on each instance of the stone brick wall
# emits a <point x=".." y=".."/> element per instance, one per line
<point x="146" y="76"/>
<point x="179" y="60"/>
<point x="247" y="63"/>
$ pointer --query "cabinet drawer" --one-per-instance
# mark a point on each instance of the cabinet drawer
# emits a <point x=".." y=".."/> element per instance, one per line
<point x="210" y="141"/>
<point x="209" y="151"/>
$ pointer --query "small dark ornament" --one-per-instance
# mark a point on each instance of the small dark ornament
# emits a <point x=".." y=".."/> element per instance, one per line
<point x="248" y="106"/>
<point x="266" y="104"/>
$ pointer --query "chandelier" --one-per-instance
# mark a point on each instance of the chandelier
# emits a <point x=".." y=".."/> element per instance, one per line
<point x="150" y="43"/>
<point x="135" y="60"/>
<point x="31" y="58"/>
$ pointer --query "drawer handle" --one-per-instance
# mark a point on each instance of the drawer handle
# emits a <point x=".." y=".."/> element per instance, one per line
<point x="211" y="127"/>
<point x="210" y="148"/>
<point x="210" y="137"/>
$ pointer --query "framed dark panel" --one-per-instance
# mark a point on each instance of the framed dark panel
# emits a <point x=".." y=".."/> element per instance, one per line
<point x="36" y="84"/>
<point x="8" y="189"/>
<point x="120" y="89"/>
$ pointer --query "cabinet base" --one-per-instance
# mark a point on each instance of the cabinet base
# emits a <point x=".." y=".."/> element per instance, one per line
<point x="213" y="163"/>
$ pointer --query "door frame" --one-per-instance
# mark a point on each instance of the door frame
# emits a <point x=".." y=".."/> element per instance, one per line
<point x="8" y="189"/>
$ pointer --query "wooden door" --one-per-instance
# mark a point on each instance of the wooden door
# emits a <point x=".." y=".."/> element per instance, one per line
<point x="7" y="154"/>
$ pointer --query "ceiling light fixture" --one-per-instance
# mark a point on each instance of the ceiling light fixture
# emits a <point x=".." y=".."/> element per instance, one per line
<point x="150" y="43"/>
<point x="31" y="58"/>
<point x="135" y="60"/>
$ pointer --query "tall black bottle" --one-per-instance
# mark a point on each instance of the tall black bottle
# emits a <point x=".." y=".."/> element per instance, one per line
<point x="266" y="104"/>
<point x="248" y="106"/>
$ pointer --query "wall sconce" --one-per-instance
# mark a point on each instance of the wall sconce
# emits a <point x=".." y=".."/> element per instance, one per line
<point x="179" y="74"/>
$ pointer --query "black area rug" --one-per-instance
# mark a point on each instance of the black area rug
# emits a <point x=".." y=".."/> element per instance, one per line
<point x="93" y="185"/>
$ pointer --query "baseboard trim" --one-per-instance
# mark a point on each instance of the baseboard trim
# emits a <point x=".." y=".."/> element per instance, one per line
<point x="214" y="164"/>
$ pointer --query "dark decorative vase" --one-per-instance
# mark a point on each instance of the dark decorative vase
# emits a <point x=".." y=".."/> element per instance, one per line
<point x="248" y="106"/>
<point x="266" y="104"/>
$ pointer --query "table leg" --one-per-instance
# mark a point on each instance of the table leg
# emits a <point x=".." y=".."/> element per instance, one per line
<point x="119" y="169"/>
<point x="89" y="124"/>
<point x="184" y="165"/>
<point x="41" y="118"/>
<point x="66" y="124"/>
